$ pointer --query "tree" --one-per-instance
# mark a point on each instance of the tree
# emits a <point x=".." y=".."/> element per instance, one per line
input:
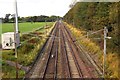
<point x="6" y="18"/>
<point x="34" y="18"/>
<point x="95" y="16"/>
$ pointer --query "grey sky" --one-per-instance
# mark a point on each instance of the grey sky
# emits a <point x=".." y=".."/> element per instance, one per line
<point x="35" y="7"/>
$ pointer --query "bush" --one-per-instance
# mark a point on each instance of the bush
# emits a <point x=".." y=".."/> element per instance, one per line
<point x="25" y="37"/>
<point x="33" y="40"/>
<point x="26" y="48"/>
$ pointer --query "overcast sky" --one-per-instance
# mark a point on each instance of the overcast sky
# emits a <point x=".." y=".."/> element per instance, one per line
<point x="35" y="7"/>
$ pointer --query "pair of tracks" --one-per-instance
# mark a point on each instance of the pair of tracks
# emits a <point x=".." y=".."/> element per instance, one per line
<point x="60" y="58"/>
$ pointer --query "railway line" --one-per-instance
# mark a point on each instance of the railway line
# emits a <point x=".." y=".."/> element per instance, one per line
<point x="61" y="57"/>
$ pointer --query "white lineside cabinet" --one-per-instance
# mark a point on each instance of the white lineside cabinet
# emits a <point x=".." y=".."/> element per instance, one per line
<point x="8" y="40"/>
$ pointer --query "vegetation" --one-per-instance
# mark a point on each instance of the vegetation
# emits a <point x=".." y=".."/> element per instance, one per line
<point x="24" y="27"/>
<point x="97" y="54"/>
<point x="31" y="44"/>
<point x="93" y="16"/>
<point x="41" y="18"/>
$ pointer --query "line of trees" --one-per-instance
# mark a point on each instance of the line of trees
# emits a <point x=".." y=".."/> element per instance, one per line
<point x="92" y="16"/>
<point x="41" y="18"/>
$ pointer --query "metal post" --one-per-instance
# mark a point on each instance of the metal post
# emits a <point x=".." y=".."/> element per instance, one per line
<point x="16" y="54"/>
<point x="104" y="58"/>
<point x="16" y="17"/>
<point x="16" y="32"/>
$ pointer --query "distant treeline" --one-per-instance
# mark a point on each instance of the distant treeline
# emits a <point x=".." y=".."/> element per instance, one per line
<point x="93" y="16"/>
<point x="41" y="18"/>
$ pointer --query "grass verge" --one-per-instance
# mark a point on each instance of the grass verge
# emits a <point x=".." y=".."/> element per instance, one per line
<point x="31" y="44"/>
<point x="94" y="50"/>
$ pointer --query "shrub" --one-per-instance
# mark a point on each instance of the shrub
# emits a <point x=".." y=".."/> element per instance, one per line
<point x="26" y="48"/>
<point x="33" y="40"/>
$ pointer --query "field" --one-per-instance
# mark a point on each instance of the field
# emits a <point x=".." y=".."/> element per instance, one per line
<point x="23" y="27"/>
<point x="29" y="48"/>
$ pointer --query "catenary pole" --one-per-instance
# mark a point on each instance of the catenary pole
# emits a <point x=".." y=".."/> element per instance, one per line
<point x="16" y="32"/>
<point x="104" y="58"/>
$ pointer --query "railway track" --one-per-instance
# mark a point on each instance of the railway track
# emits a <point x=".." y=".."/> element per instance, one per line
<point x="61" y="58"/>
<point x="87" y="57"/>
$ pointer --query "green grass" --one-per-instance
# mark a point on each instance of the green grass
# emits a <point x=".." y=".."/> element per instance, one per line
<point x="23" y="27"/>
<point x="9" y="71"/>
<point x="27" y="51"/>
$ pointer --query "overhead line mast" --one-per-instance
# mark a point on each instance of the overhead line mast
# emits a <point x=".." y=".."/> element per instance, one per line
<point x="16" y="17"/>
<point x="16" y="37"/>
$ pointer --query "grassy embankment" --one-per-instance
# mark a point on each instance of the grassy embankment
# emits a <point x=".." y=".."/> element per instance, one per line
<point x="94" y="49"/>
<point x="31" y="44"/>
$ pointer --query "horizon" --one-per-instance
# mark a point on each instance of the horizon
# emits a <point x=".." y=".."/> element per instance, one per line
<point x="29" y="16"/>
